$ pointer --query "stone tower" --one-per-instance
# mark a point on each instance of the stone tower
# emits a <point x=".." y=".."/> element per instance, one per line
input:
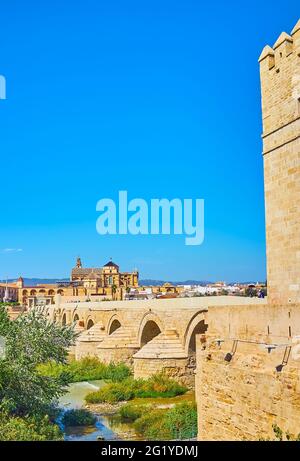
<point x="20" y="282"/>
<point x="280" y="85"/>
<point x="78" y="263"/>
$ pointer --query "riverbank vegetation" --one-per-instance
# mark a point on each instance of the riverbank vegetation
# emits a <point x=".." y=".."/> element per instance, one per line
<point x="29" y="428"/>
<point x="154" y="423"/>
<point x="10" y="303"/>
<point x="86" y="369"/>
<point x="78" y="417"/>
<point x="28" y="399"/>
<point x="158" y="385"/>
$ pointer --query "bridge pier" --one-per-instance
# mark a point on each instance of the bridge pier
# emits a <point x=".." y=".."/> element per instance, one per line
<point x="117" y="354"/>
<point x="164" y="354"/>
<point x="87" y="342"/>
<point x="119" y="346"/>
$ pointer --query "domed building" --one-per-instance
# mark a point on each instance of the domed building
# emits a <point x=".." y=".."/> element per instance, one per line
<point x="86" y="284"/>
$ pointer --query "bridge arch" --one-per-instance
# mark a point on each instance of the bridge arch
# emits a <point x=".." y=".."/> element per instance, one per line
<point x="64" y="319"/>
<point x="150" y="326"/>
<point x="115" y="325"/>
<point x="90" y="323"/>
<point x="75" y="317"/>
<point x="195" y="326"/>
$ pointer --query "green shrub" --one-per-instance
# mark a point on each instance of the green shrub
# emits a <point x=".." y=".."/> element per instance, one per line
<point x="159" y="385"/>
<point x="28" y="429"/>
<point x="156" y="386"/>
<point x="181" y="420"/>
<point x="151" y="425"/>
<point x="177" y="423"/>
<point x="112" y="393"/>
<point x="78" y="417"/>
<point x="86" y="369"/>
<point x="131" y="412"/>
<point x="117" y="372"/>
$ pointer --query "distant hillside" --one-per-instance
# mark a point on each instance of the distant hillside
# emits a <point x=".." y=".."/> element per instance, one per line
<point x="148" y="282"/>
<point x="35" y="281"/>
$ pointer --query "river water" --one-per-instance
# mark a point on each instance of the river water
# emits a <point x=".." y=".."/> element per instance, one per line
<point x="106" y="427"/>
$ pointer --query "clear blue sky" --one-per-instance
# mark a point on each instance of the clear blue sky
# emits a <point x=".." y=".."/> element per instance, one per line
<point x="157" y="97"/>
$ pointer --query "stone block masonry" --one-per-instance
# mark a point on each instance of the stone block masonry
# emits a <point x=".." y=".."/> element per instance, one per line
<point x="242" y="398"/>
<point x="280" y="84"/>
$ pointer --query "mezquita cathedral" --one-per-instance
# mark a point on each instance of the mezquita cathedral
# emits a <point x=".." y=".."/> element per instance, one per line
<point x="86" y="284"/>
<point x="108" y="276"/>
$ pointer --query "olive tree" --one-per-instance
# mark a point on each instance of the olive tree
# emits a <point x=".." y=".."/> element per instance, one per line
<point x="31" y="340"/>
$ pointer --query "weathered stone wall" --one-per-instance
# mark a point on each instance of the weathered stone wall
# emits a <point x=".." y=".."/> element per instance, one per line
<point x="240" y="399"/>
<point x="179" y="369"/>
<point x="280" y="83"/>
<point x="117" y="355"/>
<point x="86" y="349"/>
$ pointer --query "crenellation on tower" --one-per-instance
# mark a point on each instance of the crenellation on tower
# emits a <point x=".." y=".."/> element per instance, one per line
<point x="296" y="28"/>
<point x="283" y="46"/>
<point x="280" y="75"/>
<point x="296" y="37"/>
<point x="267" y="57"/>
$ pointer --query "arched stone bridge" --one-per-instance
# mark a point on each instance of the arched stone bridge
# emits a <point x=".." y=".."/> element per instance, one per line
<point x="152" y="336"/>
